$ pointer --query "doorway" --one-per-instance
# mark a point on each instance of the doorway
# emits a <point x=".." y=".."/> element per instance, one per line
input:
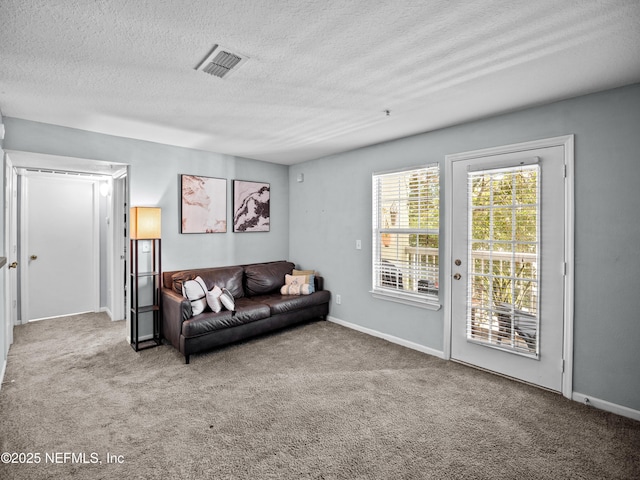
<point x="113" y="194"/>
<point x="509" y="253"/>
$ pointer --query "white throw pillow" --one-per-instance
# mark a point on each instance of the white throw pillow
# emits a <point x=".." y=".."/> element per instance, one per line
<point x="196" y="291"/>
<point x="227" y="300"/>
<point x="213" y="299"/>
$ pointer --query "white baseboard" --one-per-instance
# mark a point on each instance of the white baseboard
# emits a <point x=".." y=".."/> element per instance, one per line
<point x="606" y="406"/>
<point x="387" y="337"/>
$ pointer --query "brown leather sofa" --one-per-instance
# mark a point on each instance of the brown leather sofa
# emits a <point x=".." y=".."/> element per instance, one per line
<point x="259" y="306"/>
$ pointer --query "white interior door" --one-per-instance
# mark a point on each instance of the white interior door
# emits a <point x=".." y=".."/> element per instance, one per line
<point x="60" y="248"/>
<point x="508" y="263"/>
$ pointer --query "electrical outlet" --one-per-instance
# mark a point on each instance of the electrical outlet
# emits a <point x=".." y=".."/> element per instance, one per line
<point x="358" y="244"/>
<point x="338" y="299"/>
<point x="146" y="247"/>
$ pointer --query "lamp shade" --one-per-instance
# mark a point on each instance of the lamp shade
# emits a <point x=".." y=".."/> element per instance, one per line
<point x="145" y="223"/>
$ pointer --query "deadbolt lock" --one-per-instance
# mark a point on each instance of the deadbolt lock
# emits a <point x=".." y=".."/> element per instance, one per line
<point x="458" y="262"/>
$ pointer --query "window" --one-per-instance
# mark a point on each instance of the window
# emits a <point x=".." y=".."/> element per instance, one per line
<point x="406" y="222"/>
<point x="504" y="251"/>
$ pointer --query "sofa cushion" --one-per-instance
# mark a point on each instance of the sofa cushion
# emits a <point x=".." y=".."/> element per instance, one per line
<point x="287" y="303"/>
<point x="207" y="322"/>
<point x="264" y="278"/>
<point x="222" y="277"/>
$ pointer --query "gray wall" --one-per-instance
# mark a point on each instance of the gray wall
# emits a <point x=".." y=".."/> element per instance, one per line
<point x="154" y="178"/>
<point x="331" y="209"/>
<point x="316" y="223"/>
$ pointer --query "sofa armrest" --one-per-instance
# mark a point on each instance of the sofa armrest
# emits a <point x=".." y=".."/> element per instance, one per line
<point x="175" y="310"/>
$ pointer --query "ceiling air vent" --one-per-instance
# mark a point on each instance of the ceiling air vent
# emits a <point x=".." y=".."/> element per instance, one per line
<point x="221" y="62"/>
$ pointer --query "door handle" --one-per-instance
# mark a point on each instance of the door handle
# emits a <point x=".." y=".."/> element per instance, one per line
<point x="34" y="257"/>
<point x="457" y="276"/>
<point x="13" y="265"/>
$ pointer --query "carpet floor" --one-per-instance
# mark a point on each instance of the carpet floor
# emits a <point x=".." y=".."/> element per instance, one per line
<point x="318" y="401"/>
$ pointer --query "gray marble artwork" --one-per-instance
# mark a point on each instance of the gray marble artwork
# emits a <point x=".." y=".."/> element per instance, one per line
<point x="251" y="206"/>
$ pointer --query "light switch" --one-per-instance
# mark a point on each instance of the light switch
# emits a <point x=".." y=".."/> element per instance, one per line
<point x="358" y="244"/>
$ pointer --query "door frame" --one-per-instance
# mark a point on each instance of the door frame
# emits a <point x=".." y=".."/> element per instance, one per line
<point x="24" y="238"/>
<point x="567" y="142"/>
<point x="11" y="212"/>
<point x="117" y="247"/>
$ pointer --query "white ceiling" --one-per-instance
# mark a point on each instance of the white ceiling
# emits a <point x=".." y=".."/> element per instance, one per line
<point x="320" y="73"/>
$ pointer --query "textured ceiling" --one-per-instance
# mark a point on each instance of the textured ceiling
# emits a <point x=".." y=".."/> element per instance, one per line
<point x="320" y="73"/>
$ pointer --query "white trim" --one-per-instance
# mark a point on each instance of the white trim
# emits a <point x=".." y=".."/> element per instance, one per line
<point x="606" y="406"/>
<point x="446" y="259"/>
<point x="23" y="296"/>
<point x="407" y="299"/>
<point x="422" y="166"/>
<point x="513" y="148"/>
<point x="116" y="249"/>
<point x="569" y="242"/>
<point x="566" y="141"/>
<point x="2" y="372"/>
<point x="59" y="316"/>
<point x="96" y="245"/>
<point x="10" y="243"/>
<point x="387" y="337"/>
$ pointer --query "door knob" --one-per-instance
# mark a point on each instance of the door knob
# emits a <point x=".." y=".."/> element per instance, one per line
<point x="13" y="265"/>
<point x="457" y="276"/>
<point x="34" y="257"/>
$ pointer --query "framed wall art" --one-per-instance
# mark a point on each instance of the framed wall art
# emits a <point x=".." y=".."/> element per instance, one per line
<point x="204" y="204"/>
<point x="251" y="207"/>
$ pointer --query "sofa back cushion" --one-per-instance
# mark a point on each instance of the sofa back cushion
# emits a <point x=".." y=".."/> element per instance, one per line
<point x="264" y="278"/>
<point x="222" y="277"/>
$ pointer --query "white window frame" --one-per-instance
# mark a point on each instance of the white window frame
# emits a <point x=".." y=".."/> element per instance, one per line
<point x="424" y="300"/>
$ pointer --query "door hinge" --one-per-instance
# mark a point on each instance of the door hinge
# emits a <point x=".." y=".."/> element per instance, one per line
<point x="564" y="268"/>
<point x="564" y="171"/>
<point x="563" y="365"/>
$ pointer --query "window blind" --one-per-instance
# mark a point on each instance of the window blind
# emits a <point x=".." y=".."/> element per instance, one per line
<point x="406" y="221"/>
<point x="503" y="258"/>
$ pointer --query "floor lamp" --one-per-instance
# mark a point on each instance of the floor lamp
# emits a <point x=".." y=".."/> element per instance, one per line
<point x="145" y="274"/>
